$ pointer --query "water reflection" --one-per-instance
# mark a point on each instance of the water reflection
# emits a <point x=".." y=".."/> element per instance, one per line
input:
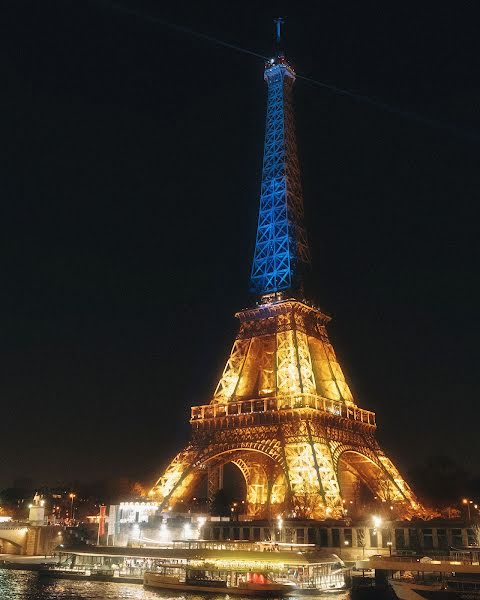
<point x="26" y="585"/>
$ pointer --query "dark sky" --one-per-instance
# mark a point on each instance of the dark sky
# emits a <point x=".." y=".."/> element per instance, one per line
<point x="130" y="187"/>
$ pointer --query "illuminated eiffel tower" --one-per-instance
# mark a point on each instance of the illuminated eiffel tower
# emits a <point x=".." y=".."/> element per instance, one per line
<point x="282" y="411"/>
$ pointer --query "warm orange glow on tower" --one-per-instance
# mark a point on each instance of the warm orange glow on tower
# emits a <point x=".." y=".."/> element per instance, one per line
<point x="282" y="411"/>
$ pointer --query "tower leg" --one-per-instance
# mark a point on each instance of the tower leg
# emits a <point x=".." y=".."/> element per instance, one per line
<point x="178" y="478"/>
<point x="214" y="481"/>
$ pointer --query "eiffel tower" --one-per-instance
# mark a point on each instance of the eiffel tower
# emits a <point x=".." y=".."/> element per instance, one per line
<point x="282" y="411"/>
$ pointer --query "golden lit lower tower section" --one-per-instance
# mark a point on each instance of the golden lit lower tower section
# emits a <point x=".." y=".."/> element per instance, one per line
<point x="282" y="412"/>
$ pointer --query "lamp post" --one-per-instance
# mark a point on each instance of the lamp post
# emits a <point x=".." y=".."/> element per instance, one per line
<point x="468" y="502"/>
<point x="389" y="544"/>
<point x="201" y="523"/>
<point x="280" y="526"/>
<point x="72" y="497"/>
<point x="377" y="522"/>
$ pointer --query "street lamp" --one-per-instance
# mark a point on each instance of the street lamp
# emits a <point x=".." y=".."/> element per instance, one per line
<point x="389" y="544"/>
<point x="201" y="523"/>
<point x="377" y="522"/>
<point x="280" y="526"/>
<point x="72" y="497"/>
<point x="467" y="502"/>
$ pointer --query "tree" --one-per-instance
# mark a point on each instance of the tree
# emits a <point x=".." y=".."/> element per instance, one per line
<point x="221" y="502"/>
<point x="441" y="481"/>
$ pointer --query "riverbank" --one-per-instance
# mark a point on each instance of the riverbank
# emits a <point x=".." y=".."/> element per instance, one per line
<point x="25" y="563"/>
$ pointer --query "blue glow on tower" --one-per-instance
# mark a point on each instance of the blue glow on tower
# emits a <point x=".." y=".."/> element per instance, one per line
<point x="281" y="248"/>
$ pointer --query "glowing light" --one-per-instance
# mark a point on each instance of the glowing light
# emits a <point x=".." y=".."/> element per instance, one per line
<point x="187" y="531"/>
<point x="377" y="521"/>
<point x="164" y="535"/>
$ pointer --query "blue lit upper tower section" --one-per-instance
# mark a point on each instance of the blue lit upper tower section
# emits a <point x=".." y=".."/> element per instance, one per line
<point x="281" y="249"/>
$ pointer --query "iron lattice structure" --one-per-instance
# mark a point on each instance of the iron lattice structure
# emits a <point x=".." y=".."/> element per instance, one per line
<point x="281" y="248"/>
<point x="282" y="411"/>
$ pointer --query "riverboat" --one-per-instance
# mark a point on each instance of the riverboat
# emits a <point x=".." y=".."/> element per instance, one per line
<point x="304" y="567"/>
<point x="254" y="584"/>
<point x="450" y="588"/>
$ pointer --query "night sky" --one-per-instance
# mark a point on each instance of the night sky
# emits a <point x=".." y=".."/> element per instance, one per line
<point x="130" y="186"/>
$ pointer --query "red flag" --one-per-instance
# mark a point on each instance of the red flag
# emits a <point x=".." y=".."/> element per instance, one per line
<point x="101" y="522"/>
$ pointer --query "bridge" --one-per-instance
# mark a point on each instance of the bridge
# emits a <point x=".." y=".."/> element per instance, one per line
<point x="25" y="538"/>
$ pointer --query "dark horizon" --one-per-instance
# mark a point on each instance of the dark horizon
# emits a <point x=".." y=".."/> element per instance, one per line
<point x="131" y="187"/>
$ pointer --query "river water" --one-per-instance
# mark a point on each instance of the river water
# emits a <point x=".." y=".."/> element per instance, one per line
<point x="27" y="585"/>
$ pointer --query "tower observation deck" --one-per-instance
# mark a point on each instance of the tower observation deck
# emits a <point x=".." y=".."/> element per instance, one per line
<point x="282" y="411"/>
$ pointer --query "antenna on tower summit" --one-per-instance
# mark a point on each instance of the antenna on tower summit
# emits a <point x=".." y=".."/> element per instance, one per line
<point x="279" y="21"/>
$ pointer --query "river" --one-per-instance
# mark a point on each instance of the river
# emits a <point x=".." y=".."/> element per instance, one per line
<point x="27" y="585"/>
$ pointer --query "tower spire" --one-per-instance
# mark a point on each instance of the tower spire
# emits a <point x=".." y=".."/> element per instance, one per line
<point x="281" y="249"/>
<point x="278" y="34"/>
